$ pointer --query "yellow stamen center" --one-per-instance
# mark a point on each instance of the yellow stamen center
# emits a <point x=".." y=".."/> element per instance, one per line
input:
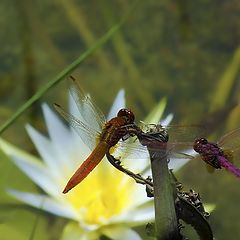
<point x="105" y="192"/>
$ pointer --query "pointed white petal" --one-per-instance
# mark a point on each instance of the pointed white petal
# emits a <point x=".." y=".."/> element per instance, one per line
<point x="31" y="166"/>
<point x="136" y="162"/>
<point x="166" y="121"/>
<point x="61" y="139"/>
<point x="140" y="192"/>
<point x="45" y="150"/>
<point x="39" y="174"/>
<point x="45" y="203"/>
<point x="74" y="231"/>
<point x="177" y="163"/>
<point x="118" y="104"/>
<point x="139" y="216"/>
<point x="10" y="150"/>
<point x="120" y="233"/>
<point x="209" y="207"/>
<point x="155" y="115"/>
<point x="135" y="216"/>
<point x="58" y="132"/>
<point x="139" y="210"/>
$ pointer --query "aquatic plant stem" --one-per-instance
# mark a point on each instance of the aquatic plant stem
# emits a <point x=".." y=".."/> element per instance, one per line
<point x="106" y="37"/>
<point x="166" y="227"/>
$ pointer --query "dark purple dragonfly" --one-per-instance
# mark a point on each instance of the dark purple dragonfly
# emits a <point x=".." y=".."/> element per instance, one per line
<point x="217" y="155"/>
<point x="222" y="153"/>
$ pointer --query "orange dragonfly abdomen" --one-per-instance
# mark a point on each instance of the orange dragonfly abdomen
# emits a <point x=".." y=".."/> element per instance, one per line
<point x="88" y="165"/>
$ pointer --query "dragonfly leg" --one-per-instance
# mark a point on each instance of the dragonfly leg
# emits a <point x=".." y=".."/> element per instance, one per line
<point x="137" y="177"/>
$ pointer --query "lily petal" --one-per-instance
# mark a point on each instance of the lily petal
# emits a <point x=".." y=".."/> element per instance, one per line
<point x="45" y="149"/>
<point x="166" y="121"/>
<point x="155" y="115"/>
<point x="39" y="174"/>
<point x="33" y="168"/>
<point x="143" y="215"/>
<point x="50" y="154"/>
<point x="135" y="217"/>
<point x="119" y="233"/>
<point x="58" y="132"/>
<point x="10" y="150"/>
<point x="209" y="207"/>
<point x="118" y="104"/>
<point x="60" y="136"/>
<point x="45" y="203"/>
<point x="177" y="163"/>
<point x="73" y="231"/>
<point x="136" y="162"/>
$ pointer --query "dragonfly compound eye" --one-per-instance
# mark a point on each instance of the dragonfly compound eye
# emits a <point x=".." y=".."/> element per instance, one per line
<point x="202" y="140"/>
<point x="198" y="143"/>
<point x="124" y="112"/>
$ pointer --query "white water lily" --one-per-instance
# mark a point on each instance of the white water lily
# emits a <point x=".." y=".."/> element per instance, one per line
<point x="107" y="202"/>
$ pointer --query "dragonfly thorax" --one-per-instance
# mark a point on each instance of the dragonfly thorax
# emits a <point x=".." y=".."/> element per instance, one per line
<point x="203" y="147"/>
<point x="208" y="151"/>
<point x="114" y="130"/>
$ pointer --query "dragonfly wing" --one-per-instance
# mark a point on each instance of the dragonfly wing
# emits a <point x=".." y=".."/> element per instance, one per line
<point x="89" y="136"/>
<point x="91" y="115"/>
<point x="182" y="155"/>
<point x="136" y="156"/>
<point x="181" y="137"/>
<point x="185" y="133"/>
<point x="134" y="147"/>
<point x="132" y="154"/>
<point x="230" y="140"/>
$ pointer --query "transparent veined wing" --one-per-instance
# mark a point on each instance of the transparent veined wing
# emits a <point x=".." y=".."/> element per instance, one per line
<point x="180" y="139"/>
<point x="230" y="140"/>
<point x="88" y="135"/>
<point x="90" y="114"/>
<point x="131" y="150"/>
<point x="185" y="133"/>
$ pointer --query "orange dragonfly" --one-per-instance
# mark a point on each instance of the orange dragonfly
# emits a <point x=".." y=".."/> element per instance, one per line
<point x="112" y="131"/>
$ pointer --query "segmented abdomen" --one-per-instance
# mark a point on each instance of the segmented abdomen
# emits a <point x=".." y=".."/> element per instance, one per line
<point x="229" y="166"/>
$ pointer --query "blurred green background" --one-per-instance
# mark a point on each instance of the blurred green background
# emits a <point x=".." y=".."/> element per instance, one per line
<point x="185" y="50"/>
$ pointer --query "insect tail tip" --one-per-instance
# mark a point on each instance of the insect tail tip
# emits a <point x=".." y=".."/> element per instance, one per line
<point x="65" y="190"/>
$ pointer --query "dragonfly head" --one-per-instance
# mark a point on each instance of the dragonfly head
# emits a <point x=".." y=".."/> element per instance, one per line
<point x="198" y="144"/>
<point x="127" y="114"/>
